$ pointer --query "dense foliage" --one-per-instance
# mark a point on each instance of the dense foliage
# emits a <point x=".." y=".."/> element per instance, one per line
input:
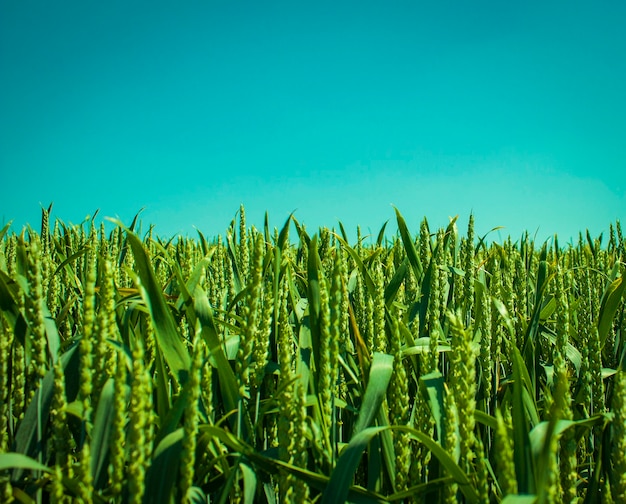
<point x="259" y="367"/>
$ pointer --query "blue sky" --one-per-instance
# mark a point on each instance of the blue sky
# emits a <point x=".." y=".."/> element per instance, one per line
<point x="514" y="111"/>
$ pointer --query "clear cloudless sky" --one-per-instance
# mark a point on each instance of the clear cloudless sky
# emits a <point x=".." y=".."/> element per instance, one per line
<point x="515" y="111"/>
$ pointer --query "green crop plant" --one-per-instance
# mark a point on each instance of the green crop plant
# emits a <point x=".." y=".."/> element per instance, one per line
<point x="272" y="365"/>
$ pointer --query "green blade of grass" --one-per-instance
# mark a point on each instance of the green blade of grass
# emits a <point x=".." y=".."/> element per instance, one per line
<point x="100" y="434"/>
<point x="521" y="442"/>
<point x="10" y="291"/>
<point x="341" y="477"/>
<point x="234" y="262"/>
<point x="12" y="460"/>
<point x="381" y="234"/>
<point x="203" y="243"/>
<point x="163" y="472"/>
<point x="314" y="276"/>
<point x="165" y="328"/>
<point x="271" y="465"/>
<point x="124" y="249"/>
<point x="387" y="450"/>
<point x="162" y="388"/>
<point x="283" y="235"/>
<point x="409" y="246"/>
<point x="52" y="333"/>
<point x="610" y="302"/>
<point x="422" y="306"/>
<point x="391" y="290"/>
<point x="380" y="374"/>
<point x="249" y="482"/>
<point x="538" y="435"/>
<point x="339" y="484"/>
<point x="485" y="419"/>
<point x="227" y="380"/>
<point x="446" y="460"/>
<point x="4" y="230"/>
<point x="519" y="499"/>
<point x="169" y="422"/>
<point x="369" y="283"/>
<point x="532" y="331"/>
<point x="267" y="235"/>
<point x="432" y="388"/>
<point x="422" y="489"/>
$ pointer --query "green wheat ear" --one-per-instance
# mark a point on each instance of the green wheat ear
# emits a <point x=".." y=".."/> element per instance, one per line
<point x="86" y="364"/>
<point x="463" y="386"/>
<point x="105" y="328"/>
<point x="251" y="318"/>
<point x="618" y="449"/>
<point x="469" y="268"/>
<point x="190" y="424"/>
<point x="140" y="424"/>
<point x="6" y="343"/>
<point x="378" y="305"/>
<point x="62" y="441"/>
<point x="118" y="446"/>
<point x="244" y="254"/>
<point x="34" y="302"/>
<point x="399" y="413"/>
<point x="505" y="462"/>
<point x="292" y="423"/>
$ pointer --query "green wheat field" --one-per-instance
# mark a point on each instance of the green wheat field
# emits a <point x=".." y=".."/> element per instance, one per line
<point x="283" y="366"/>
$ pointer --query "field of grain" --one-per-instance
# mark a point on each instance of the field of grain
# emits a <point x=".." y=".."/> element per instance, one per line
<point x="280" y="366"/>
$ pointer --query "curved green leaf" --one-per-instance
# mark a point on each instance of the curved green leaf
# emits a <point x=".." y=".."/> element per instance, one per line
<point x="380" y="375"/>
<point x="524" y="468"/>
<point x="394" y="284"/>
<point x="409" y="246"/>
<point x="538" y="434"/>
<point x="12" y="460"/>
<point x="314" y="276"/>
<point x="249" y="483"/>
<point x="227" y="380"/>
<point x="341" y="478"/>
<point x="610" y="302"/>
<point x="52" y="333"/>
<point x="381" y="234"/>
<point x="519" y="499"/>
<point x="446" y="460"/>
<point x="167" y="337"/>
<point x="432" y="385"/>
<point x="101" y="433"/>
<point x="163" y="472"/>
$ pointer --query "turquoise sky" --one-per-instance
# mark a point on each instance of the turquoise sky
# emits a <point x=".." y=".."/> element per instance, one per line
<point x="515" y="111"/>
